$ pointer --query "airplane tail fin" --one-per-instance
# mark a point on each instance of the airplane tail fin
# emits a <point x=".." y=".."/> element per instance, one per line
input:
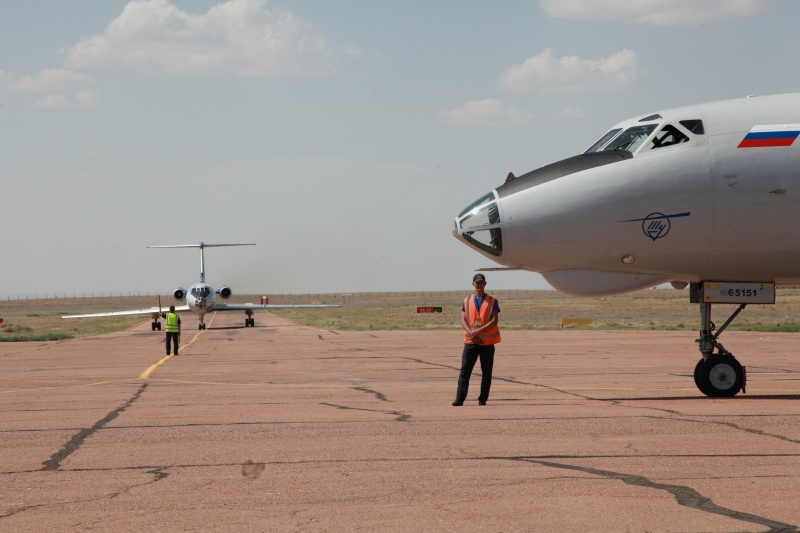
<point x="202" y="246"/>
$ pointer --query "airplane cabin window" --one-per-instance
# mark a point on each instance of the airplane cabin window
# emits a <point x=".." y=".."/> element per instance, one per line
<point x="668" y="136"/>
<point x="596" y="147"/>
<point x="630" y="139"/>
<point x="695" y="126"/>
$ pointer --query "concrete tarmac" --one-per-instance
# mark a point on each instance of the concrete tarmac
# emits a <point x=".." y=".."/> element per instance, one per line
<point x="290" y="428"/>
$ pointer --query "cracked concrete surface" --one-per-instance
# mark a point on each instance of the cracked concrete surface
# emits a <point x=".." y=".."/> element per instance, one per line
<point x="289" y="428"/>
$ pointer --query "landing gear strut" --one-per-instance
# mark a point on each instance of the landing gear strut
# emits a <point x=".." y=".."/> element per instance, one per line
<point x="717" y="374"/>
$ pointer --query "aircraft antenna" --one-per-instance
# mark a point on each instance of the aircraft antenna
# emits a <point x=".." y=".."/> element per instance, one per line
<point x="202" y="247"/>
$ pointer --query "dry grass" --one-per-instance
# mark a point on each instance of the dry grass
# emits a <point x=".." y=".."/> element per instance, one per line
<point x="40" y="319"/>
<point x="649" y="309"/>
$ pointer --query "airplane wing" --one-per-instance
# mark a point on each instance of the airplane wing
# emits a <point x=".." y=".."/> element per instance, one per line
<point x="246" y="307"/>
<point x="501" y="269"/>
<point x="149" y="311"/>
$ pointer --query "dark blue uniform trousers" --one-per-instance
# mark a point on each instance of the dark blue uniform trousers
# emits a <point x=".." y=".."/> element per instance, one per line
<point x="173" y="336"/>
<point x="468" y="359"/>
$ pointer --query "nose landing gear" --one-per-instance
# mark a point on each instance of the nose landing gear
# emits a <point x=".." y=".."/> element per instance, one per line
<point x="249" y="321"/>
<point x="156" y="325"/>
<point x="717" y="374"/>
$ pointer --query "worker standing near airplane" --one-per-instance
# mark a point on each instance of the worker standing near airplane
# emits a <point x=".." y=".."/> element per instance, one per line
<point x="172" y="325"/>
<point x="479" y="316"/>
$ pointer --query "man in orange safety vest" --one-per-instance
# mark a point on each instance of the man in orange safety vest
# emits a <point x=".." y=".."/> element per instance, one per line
<point x="479" y="316"/>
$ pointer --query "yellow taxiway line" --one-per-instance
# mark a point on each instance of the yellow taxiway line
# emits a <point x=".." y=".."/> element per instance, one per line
<point x="146" y="373"/>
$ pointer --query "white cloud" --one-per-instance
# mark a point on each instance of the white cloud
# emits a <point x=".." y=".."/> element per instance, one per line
<point x="486" y="112"/>
<point x="55" y="101"/>
<point x="49" y="80"/>
<point x="55" y="84"/>
<point x="573" y="74"/>
<point x="81" y="100"/>
<point x="86" y="99"/>
<point x="236" y="36"/>
<point x="657" y="12"/>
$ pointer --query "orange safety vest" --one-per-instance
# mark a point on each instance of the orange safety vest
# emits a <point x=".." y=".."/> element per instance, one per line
<point x="478" y="317"/>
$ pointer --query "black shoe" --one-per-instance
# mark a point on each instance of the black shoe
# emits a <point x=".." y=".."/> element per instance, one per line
<point x="176" y="353"/>
<point x="480" y="402"/>
<point x="457" y="403"/>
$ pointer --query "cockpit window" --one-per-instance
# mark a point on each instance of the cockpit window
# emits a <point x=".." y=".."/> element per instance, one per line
<point x="650" y="118"/>
<point x="489" y="197"/>
<point x="480" y="217"/>
<point x="201" y="291"/>
<point x="668" y="136"/>
<point x="695" y="126"/>
<point x="596" y="147"/>
<point x="629" y="139"/>
<point x="489" y="240"/>
<point x="478" y="223"/>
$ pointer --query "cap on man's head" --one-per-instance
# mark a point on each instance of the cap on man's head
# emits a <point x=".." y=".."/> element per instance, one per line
<point x="478" y="277"/>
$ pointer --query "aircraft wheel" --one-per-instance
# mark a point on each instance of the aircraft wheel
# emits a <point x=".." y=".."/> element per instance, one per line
<point x="153" y="326"/>
<point x="158" y="326"/>
<point x="720" y="376"/>
<point x="697" y="381"/>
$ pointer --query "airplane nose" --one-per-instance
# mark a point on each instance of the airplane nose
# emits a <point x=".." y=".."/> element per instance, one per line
<point x="479" y="225"/>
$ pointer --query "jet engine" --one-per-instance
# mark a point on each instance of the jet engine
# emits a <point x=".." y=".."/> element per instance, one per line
<point x="225" y="292"/>
<point x="180" y="293"/>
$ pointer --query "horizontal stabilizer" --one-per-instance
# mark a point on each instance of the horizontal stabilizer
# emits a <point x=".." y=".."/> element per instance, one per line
<point x="202" y="245"/>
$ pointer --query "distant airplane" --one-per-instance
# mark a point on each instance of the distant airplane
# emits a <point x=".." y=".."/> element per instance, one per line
<point x="706" y="196"/>
<point x="201" y="297"/>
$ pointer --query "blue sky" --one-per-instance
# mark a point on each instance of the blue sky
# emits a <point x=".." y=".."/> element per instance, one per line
<point x="341" y="137"/>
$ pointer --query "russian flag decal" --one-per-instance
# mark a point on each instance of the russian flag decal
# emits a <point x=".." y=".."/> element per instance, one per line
<point x="772" y="135"/>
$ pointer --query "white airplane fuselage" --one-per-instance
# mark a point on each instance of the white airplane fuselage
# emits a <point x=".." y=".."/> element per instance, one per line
<point x="201" y="298"/>
<point x="706" y="196"/>
<point x="722" y="204"/>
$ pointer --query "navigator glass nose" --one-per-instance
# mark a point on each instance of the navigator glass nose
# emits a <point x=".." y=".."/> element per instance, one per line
<point x="478" y="225"/>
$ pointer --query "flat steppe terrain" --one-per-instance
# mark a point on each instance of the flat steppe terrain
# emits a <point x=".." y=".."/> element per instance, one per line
<point x="652" y="309"/>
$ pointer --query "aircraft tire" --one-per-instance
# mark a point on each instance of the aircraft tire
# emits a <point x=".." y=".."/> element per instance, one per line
<point x="697" y="381"/>
<point x="158" y="326"/>
<point x="721" y="376"/>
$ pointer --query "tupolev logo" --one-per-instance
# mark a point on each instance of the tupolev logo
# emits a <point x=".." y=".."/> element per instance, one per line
<point x="657" y="225"/>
